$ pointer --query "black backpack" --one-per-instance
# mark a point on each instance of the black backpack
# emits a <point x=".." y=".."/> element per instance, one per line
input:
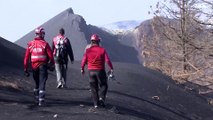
<point x="61" y="50"/>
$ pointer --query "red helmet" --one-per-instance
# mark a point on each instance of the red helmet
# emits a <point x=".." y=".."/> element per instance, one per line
<point x="95" y="37"/>
<point x="39" y="30"/>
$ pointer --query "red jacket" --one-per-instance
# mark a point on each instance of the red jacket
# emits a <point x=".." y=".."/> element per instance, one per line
<point x="96" y="57"/>
<point x="38" y="52"/>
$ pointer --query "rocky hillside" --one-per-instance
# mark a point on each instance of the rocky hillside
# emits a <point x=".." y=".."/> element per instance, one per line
<point x="11" y="55"/>
<point x="159" y="53"/>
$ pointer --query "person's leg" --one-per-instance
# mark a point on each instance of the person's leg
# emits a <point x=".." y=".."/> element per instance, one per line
<point x="36" y="89"/>
<point x="58" y="75"/>
<point x="42" y="83"/>
<point x="102" y="78"/>
<point x="64" y="75"/>
<point x="94" y="87"/>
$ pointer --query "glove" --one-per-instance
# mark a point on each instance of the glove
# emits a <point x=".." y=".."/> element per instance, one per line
<point x="26" y="73"/>
<point x="111" y="75"/>
<point x="82" y="71"/>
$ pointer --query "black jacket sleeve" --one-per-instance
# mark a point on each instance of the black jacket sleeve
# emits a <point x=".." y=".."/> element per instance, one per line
<point x="69" y="50"/>
<point x="53" y="46"/>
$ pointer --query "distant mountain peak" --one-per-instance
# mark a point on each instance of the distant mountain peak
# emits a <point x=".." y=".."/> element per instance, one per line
<point x="70" y="11"/>
<point x="122" y="25"/>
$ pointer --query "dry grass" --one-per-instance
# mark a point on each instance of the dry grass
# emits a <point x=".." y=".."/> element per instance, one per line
<point x="10" y="85"/>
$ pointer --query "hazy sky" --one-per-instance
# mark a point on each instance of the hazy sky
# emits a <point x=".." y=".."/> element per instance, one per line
<point x="18" y="17"/>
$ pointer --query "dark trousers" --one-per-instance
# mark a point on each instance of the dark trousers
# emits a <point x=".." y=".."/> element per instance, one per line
<point x="40" y="76"/>
<point x="98" y="83"/>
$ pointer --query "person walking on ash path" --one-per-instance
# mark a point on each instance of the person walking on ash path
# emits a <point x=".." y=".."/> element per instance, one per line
<point x="39" y="53"/>
<point x="61" y="50"/>
<point x="95" y="58"/>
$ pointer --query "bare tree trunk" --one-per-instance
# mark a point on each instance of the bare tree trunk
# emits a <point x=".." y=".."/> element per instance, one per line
<point x="183" y="12"/>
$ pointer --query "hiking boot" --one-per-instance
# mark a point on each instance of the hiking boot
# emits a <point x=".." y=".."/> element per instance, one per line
<point x="59" y="85"/>
<point x="101" y="102"/>
<point x="64" y="86"/>
<point x="36" y="101"/>
<point x="42" y="103"/>
<point x="95" y="106"/>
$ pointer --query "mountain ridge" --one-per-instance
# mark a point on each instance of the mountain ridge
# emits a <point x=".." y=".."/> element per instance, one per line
<point x="79" y="34"/>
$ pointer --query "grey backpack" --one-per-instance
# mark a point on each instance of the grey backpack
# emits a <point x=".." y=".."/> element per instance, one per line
<point x="61" y="50"/>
